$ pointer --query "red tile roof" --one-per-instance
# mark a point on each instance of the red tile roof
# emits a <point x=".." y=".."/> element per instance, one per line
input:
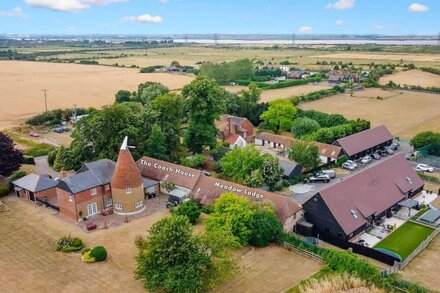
<point x="232" y="138"/>
<point x="208" y="189"/>
<point x="371" y="191"/>
<point x="126" y="173"/>
<point x="326" y="150"/>
<point x="365" y="140"/>
<point x="165" y="171"/>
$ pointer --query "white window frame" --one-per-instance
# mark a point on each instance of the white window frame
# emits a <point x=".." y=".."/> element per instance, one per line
<point x="139" y="204"/>
<point x="118" y="206"/>
<point x="108" y="202"/>
<point x="92" y="209"/>
<point x="107" y="187"/>
<point x="128" y="190"/>
<point x="70" y="197"/>
<point x="93" y="191"/>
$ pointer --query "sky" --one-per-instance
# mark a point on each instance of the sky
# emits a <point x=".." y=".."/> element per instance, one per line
<point x="390" y="17"/>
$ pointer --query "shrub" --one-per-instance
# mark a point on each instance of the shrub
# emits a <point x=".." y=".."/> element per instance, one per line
<point x="266" y="228"/>
<point x="17" y="175"/>
<point x="208" y="209"/>
<point x="28" y="160"/>
<point x="69" y="244"/>
<point x="190" y="209"/>
<point x="98" y="253"/>
<point x="86" y="256"/>
<point x="4" y="189"/>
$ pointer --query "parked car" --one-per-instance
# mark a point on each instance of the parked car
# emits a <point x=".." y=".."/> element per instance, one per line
<point x="389" y="150"/>
<point x="382" y="153"/>
<point x="348" y="166"/>
<point x="394" y="146"/>
<point x="330" y="173"/>
<point x="319" y="178"/>
<point x="34" y="134"/>
<point x="424" y="168"/>
<point x="376" y="156"/>
<point x="353" y="163"/>
<point x="366" y="159"/>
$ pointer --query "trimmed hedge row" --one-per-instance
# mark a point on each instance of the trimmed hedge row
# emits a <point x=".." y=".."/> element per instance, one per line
<point x="346" y="262"/>
<point x="278" y="85"/>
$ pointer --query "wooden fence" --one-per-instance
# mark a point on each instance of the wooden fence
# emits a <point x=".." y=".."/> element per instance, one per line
<point x="303" y="252"/>
<point x="419" y="249"/>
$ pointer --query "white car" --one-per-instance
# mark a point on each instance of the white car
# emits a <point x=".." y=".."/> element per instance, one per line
<point x="353" y="163"/>
<point x="424" y="168"/>
<point x="348" y="166"/>
<point x="366" y="160"/>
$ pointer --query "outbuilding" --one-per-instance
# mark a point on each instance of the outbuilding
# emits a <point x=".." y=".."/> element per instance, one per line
<point x="366" y="142"/>
<point x="35" y="187"/>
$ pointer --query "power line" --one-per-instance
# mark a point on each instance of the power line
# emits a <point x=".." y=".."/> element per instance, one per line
<point x="45" y="97"/>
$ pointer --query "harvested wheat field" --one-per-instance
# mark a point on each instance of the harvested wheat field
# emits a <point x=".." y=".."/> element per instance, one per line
<point x="413" y="77"/>
<point x="269" y="95"/>
<point x="404" y="113"/>
<point x="425" y="267"/>
<point x="270" y="269"/>
<point x="68" y="84"/>
<point x="383" y="56"/>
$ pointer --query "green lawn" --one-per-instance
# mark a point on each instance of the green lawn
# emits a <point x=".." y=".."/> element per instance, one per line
<point x="405" y="239"/>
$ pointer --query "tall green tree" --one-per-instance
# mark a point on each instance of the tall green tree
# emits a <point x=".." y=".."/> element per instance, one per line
<point x="425" y="138"/>
<point x="246" y="104"/>
<point x="100" y="134"/>
<point x="233" y="214"/>
<point x="302" y="126"/>
<point x="239" y="163"/>
<point x="205" y="101"/>
<point x="122" y="96"/>
<point x="255" y="179"/>
<point x="271" y="171"/>
<point x="155" y="146"/>
<point x="172" y="259"/>
<point x="167" y="112"/>
<point x="279" y="115"/>
<point x="149" y="91"/>
<point x="305" y="153"/>
<point x="10" y="157"/>
<point x="266" y="228"/>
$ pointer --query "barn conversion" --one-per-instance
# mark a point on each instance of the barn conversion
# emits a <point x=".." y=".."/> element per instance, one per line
<point x="327" y="152"/>
<point x="365" y="142"/>
<point x="349" y="207"/>
<point x="124" y="186"/>
<point x="207" y="189"/>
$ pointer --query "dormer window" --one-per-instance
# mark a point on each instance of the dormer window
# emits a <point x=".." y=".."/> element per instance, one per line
<point x="93" y="191"/>
<point x="128" y="190"/>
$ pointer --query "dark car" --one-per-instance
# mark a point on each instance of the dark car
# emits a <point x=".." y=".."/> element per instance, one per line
<point x="394" y="146"/>
<point x="383" y="153"/>
<point x="58" y="130"/>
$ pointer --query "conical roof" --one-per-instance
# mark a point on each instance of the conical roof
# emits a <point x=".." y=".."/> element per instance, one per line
<point x="126" y="174"/>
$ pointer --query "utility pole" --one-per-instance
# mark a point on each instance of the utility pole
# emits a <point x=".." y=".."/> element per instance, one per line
<point x="216" y="38"/>
<point x="74" y="114"/>
<point x="293" y="40"/>
<point x="45" y="97"/>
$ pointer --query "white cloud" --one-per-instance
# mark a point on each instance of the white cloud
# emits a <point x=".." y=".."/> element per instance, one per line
<point x="416" y="7"/>
<point x="378" y="27"/>
<point x="305" y="29"/>
<point x="69" y="5"/>
<point x="145" y="18"/>
<point x="17" y="11"/>
<point x="341" y="4"/>
<point x="339" y="22"/>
